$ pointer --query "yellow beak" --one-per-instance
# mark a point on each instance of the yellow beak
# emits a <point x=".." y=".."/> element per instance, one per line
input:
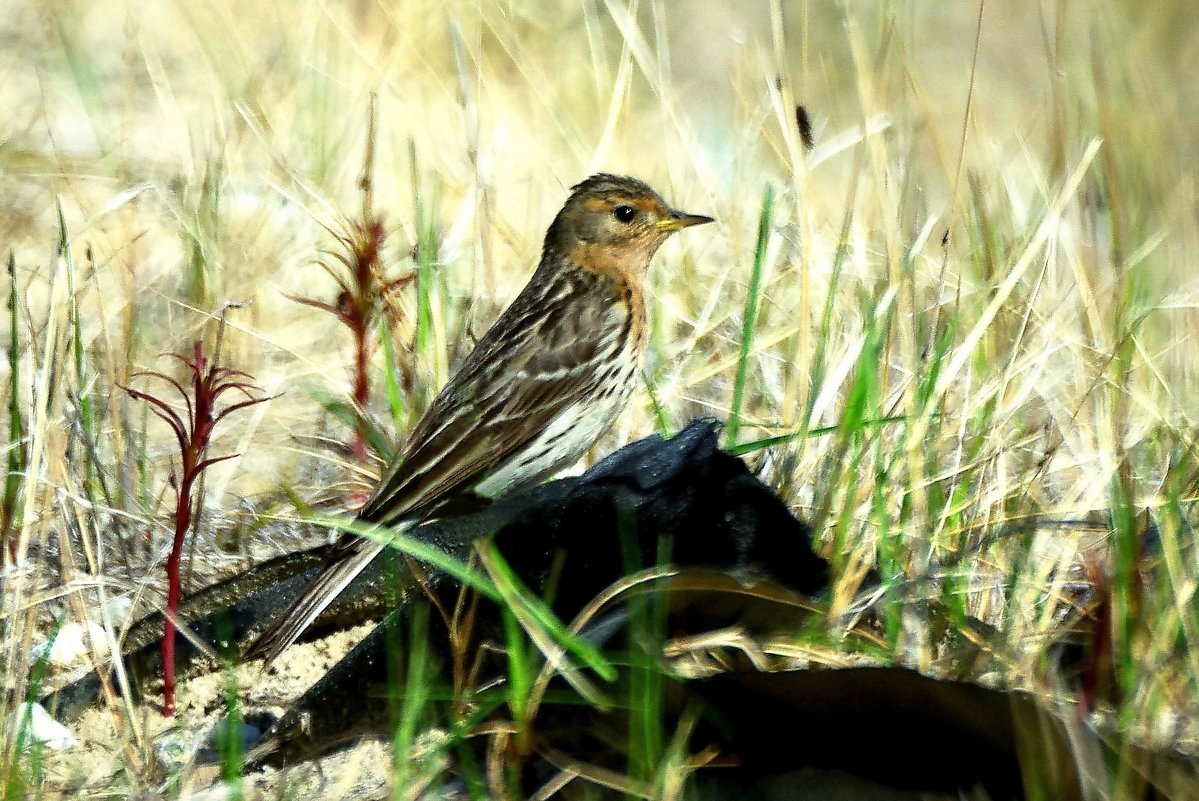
<point x="679" y="220"/>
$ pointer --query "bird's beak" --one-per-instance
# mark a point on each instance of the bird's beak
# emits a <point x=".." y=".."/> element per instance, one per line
<point x="679" y="220"/>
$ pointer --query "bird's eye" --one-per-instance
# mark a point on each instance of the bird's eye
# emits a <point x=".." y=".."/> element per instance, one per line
<point x="624" y="214"/>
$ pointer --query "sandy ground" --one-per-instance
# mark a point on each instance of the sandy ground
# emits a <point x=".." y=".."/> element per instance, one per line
<point x="98" y="766"/>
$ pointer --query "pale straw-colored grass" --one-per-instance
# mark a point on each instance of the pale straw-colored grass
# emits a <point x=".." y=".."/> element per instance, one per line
<point x="992" y="312"/>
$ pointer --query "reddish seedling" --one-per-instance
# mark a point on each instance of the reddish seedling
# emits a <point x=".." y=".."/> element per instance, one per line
<point x="363" y="294"/>
<point x="193" y="431"/>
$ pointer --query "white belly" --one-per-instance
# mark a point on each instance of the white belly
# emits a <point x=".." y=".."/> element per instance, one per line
<point x="562" y="443"/>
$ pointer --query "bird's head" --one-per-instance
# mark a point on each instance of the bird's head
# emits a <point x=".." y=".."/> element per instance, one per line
<point x="615" y="223"/>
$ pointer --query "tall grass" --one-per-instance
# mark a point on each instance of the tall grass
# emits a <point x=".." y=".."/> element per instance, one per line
<point x="966" y="310"/>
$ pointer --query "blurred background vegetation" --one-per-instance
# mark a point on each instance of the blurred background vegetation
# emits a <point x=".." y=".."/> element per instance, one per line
<point x="979" y="293"/>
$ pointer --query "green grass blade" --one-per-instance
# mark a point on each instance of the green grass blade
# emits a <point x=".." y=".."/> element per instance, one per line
<point x="521" y="600"/>
<point x="229" y="746"/>
<point x="749" y="322"/>
<point x="819" y="367"/>
<point x="414" y="706"/>
<point x="15" y="467"/>
<point x="82" y="382"/>
<point x="426" y="258"/>
<point x="413" y="546"/>
<point x="392" y="383"/>
<point x="346" y="413"/>
<point x="663" y="422"/>
<point x="782" y="439"/>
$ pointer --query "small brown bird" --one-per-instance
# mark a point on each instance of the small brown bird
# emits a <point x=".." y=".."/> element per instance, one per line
<point x="545" y="381"/>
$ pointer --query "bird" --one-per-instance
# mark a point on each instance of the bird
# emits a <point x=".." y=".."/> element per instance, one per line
<point x="547" y="379"/>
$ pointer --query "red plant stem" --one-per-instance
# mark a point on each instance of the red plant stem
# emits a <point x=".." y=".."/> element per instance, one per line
<point x="204" y="380"/>
<point x="361" y="384"/>
<point x="183" y="515"/>
<point x="208" y="383"/>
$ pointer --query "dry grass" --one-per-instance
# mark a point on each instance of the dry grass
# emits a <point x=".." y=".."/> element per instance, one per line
<point x="996" y="252"/>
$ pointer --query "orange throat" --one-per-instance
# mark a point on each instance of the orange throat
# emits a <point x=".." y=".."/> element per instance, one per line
<point x="626" y="273"/>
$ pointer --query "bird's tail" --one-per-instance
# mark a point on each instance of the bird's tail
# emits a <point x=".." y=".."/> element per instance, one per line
<point x="319" y="593"/>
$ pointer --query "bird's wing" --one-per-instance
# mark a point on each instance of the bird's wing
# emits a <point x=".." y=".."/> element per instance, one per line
<point x="543" y="356"/>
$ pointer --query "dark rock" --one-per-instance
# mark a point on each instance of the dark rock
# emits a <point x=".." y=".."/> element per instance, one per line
<point x="682" y="497"/>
